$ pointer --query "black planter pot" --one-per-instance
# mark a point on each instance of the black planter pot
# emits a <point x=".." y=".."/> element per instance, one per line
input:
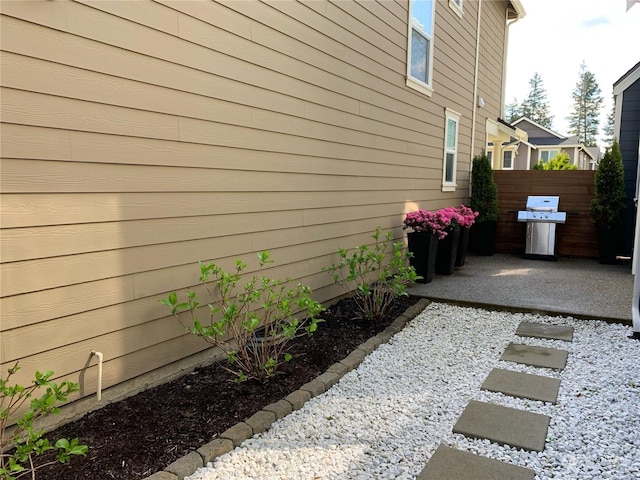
<point x="608" y="243"/>
<point x="447" y="250"/>
<point x="424" y="247"/>
<point x="485" y="237"/>
<point x="463" y="246"/>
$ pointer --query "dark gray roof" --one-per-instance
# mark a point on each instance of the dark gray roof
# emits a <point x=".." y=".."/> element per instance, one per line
<point x="547" y="140"/>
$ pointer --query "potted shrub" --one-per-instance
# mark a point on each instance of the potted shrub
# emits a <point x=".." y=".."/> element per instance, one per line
<point x="484" y="200"/>
<point x="423" y="241"/>
<point x="450" y="220"/>
<point x="609" y="204"/>
<point x="467" y="218"/>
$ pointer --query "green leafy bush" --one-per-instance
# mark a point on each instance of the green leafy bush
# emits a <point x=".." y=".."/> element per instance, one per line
<point x="560" y="162"/>
<point x="609" y="204"/>
<point x="19" y="446"/>
<point x="375" y="276"/>
<point x="259" y="317"/>
<point x="484" y="191"/>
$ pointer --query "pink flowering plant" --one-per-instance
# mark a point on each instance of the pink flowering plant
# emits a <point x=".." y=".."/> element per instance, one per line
<point x="467" y="216"/>
<point x="441" y="221"/>
<point x="427" y="221"/>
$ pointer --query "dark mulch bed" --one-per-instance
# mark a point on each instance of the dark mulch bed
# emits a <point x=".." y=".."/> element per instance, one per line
<point x="141" y="435"/>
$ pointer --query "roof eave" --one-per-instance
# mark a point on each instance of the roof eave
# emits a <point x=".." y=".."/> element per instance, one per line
<point x="518" y="10"/>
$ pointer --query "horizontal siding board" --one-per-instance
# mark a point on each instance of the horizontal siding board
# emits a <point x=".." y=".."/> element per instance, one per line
<point x="36" y="109"/>
<point x="43" y="242"/>
<point x="83" y="177"/>
<point x="85" y="299"/>
<point x="28" y="74"/>
<point x="229" y="84"/>
<point x="41" y="274"/>
<point x="26" y="210"/>
<point x="117" y="149"/>
<point x="75" y="360"/>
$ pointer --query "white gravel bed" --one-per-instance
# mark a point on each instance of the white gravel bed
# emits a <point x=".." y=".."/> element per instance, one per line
<point x="385" y="419"/>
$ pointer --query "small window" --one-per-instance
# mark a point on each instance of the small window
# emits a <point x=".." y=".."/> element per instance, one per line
<point x="420" y="45"/>
<point x="456" y="6"/>
<point x="507" y="160"/>
<point x="546" y="155"/>
<point x="450" y="161"/>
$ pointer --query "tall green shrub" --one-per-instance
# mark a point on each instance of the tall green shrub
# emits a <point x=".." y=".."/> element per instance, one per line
<point x="484" y="191"/>
<point x="609" y="205"/>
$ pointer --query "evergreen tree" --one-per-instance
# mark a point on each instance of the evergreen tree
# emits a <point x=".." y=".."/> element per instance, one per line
<point x="607" y="130"/>
<point x="587" y="101"/>
<point x="535" y="106"/>
<point x="512" y="111"/>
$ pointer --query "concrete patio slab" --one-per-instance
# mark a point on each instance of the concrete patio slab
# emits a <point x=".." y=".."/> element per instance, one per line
<point x="536" y="356"/>
<point x="522" y="385"/>
<point x="508" y="281"/>
<point x="450" y="464"/>
<point x="542" y="330"/>
<point x="503" y="425"/>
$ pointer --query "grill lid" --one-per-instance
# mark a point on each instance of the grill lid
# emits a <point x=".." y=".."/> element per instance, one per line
<point x="543" y="203"/>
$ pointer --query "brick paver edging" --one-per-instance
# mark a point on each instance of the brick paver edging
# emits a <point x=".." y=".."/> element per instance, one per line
<point x="262" y="420"/>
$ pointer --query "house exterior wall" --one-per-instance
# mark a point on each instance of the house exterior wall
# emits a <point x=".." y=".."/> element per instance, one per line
<point x="629" y="148"/>
<point x="141" y="137"/>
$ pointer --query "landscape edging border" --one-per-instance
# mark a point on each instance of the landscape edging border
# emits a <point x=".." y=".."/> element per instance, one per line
<point x="262" y="420"/>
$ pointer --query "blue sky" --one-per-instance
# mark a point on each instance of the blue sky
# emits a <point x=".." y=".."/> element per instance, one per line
<point x="556" y="36"/>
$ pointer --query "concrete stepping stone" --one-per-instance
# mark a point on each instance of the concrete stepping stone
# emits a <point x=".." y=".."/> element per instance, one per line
<point x="450" y="464"/>
<point x="522" y="385"/>
<point x="541" y="330"/>
<point x="536" y="356"/>
<point x="503" y="425"/>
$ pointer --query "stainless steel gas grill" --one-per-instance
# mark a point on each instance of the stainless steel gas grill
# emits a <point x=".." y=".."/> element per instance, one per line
<point x="541" y="215"/>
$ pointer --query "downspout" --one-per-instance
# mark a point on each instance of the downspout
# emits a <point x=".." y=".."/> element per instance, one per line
<point x="474" y="106"/>
<point x="474" y="110"/>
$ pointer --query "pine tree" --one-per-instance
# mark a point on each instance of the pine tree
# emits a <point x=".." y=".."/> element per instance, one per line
<point x="587" y="101"/>
<point x="512" y="111"/>
<point x="607" y="130"/>
<point x="535" y="106"/>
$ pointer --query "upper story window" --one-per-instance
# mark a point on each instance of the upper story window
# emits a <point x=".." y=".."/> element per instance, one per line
<point x="420" y="45"/>
<point x="456" y="6"/>
<point x="450" y="161"/>
<point x="546" y="155"/>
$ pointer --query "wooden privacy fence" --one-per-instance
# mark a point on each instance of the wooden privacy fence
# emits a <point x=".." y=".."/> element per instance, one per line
<point x="576" y="238"/>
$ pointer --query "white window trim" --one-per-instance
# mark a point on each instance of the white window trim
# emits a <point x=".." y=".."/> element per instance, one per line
<point x="450" y="186"/>
<point x="540" y="150"/>
<point x="412" y="82"/>
<point x="456" y="6"/>
<point x="513" y="158"/>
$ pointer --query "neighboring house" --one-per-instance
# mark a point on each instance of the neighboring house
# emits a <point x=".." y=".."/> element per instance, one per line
<point x="626" y="93"/>
<point x="541" y="144"/>
<point x="141" y="137"/>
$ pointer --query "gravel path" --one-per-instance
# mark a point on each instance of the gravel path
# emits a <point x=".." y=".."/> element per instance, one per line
<point x="386" y="418"/>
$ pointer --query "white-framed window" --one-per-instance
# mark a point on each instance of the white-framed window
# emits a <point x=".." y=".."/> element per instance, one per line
<point x="456" y="6"/>
<point x="450" y="159"/>
<point x="546" y="155"/>
<point x="508" y="157"/>
<point x="489" y="154"/>
<point x="420" y="45"/>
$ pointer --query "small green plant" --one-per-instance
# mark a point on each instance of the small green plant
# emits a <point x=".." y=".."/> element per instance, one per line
<point x="259" y="317"/>
<point x="374" y="275"/>
<point x="19" y="446"/>
<point x="560" y="162"/>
